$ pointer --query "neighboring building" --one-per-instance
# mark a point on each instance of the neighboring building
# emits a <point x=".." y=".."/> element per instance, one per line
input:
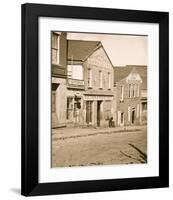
<point x="77" y="51"/>
<point x="90" y="95"/>
<point x="58" y="73"/>
<point x="131" y="90"/>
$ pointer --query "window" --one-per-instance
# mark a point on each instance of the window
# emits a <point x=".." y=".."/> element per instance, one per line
<point x="133" y="91"/>
<point x="122" y="118"/>
<point x="121" y="93"/>
<point x="100" y="79"/>
<point x="55" y="48"/>
<point x="138" y="90"/>
<point x="130" y="90"/>
<point x="144" y="106"/>
<point x="89" y="78"/>
<point x="109" y="80"/>
<point x="69" y="71"/>
<point x="129" y="113"/>
<point x="138" y="110"/>
<point x="69" y="106"/>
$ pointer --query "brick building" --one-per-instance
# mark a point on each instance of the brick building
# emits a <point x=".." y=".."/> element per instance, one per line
<point x="131" y="90"/>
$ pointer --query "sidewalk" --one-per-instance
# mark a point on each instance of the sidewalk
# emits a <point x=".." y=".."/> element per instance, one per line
<point x="74" y="132"/>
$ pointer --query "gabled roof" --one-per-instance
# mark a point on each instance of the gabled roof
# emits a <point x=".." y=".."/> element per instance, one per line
<point x="122" y="72"/>
<point x="78" y="50"/>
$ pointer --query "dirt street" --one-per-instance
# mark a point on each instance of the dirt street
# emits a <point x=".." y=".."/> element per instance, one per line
<point x="100" y="149"/>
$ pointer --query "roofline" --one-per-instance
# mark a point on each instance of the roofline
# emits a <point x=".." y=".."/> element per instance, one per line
<point x="99" y="46"/>
<point x="136" y="65"/>
<point x="120" y="66"/>
<point x="99" y="42"/>
<point x="127" y="76"/>
<point x="84" y="40"/>
<point x="107" y="56"/>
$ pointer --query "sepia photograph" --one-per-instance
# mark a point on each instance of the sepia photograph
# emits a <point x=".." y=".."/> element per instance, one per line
<point x="98" y="99"/>
<point x="95" y="99"/>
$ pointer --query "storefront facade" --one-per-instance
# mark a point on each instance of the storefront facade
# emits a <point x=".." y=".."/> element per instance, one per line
<point x="99" y="104"/>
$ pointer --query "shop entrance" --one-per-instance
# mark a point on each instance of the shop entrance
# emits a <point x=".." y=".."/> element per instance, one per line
<point x="89" y="112"/>
<point x="98" y="112"/>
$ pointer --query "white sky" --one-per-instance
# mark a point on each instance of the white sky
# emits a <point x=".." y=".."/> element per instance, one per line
<point x="121" y="49"/>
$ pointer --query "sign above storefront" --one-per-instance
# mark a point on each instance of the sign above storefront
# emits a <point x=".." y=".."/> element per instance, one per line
<point x="97" y="98"/>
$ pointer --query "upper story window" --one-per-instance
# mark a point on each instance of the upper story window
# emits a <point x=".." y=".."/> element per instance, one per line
<point x="133" y="91"/>
<point x="121" y="93"/>
<point x="75" y="72"/>
<point x="100" y="79"/>
<point x="55" y="48"/>
<point x="89" y="77"/>
<point x="109" y="80"/>
<point x="129" y="92"/>
<point x="138" y="92"/>
<point x="69" y="71"/>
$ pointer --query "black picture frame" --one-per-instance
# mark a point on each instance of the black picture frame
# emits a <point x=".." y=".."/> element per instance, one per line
<point x="30" y="90"/>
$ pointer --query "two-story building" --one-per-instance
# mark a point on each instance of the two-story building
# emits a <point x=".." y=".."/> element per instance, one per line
<point x="99" y="102"/>
<point x="130" y="82"/>
<point x="58" y="75"/>
<point x="90" y="96"/>
<point x="77" y="51"/>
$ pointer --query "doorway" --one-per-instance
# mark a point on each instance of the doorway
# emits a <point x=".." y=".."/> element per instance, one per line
<point x="89" y="112"/>
<point x="54" y="118"/>
<point x="98" y="112"/>
<point x="133" y="116"/>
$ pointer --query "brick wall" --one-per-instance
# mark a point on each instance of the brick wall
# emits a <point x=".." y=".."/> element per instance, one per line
<point x="128" y="104"/>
